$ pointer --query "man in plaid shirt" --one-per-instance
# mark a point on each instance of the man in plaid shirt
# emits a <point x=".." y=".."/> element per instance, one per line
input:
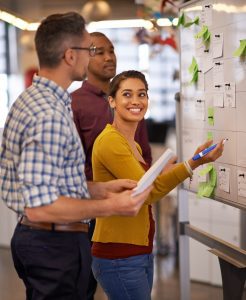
<point x="42" y="170"/>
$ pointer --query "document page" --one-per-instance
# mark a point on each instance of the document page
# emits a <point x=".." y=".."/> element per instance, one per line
<point x="149" y="177"/>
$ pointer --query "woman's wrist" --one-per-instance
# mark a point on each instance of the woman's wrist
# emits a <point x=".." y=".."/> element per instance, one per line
<point x="193" y="163"/>
<point x="188" y="167"/>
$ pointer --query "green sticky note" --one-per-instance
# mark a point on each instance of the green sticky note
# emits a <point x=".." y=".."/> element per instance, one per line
<point x="193" y="66"/>
<point x="205" y="170"/>
<point x="206" y="189"/>
<point x="213" y="177"/>
<point x="181" y="20"/>
<point x="196" y="21"/>
<point x="211" y="116"/>
<point x="241" y="51"/>
<point x="202" y="32"/>
<point x="210" y="135"/>
<point x="206" y="36"/>
<point x="191" y="22"/>
<point x="193" y="69"/>
<point x="194" y="77"/>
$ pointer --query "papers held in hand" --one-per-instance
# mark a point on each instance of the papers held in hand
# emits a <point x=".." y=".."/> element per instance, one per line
<point x="150" y="176"/>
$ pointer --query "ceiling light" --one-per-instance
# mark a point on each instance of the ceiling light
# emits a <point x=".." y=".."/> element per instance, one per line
<point x="17" y="22"/>
<point x="92" y="26"/>
<point x="120" y="24"/>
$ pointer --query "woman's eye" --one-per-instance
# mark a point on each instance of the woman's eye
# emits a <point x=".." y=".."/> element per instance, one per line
<point x="142" y="95"/>
<point x="126" y="94"/>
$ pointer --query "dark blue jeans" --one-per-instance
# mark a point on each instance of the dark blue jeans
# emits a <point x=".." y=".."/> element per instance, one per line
<point x="125" y="279"/>
<point x="53" y="265"/>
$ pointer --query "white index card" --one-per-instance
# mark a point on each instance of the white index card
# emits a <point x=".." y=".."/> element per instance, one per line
<point x="207" y="60"/>
<point x="218" y="41"/>
<point x="207" y="15"/>
<point x="200" y="108"/>
<point x="241" y="183"/>
<point x="224" y="179"/>
<point x="218" y="73"/>
<point x="201" y="81"/>
<point x="218" y="99"/>
<point x="230" y="94"/>
<point x="199" y="48"/>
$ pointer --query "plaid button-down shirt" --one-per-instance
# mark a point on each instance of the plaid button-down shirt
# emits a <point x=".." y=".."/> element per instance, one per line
<point x="41" y="155"/>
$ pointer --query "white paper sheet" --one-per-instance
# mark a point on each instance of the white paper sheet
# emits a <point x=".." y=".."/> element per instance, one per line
<point x="230" y="94"/>
<point x="153" y="172"/>
<point x="224" y="179"/>
<point x="241" y="183"/>
<point x="218" y="41"/>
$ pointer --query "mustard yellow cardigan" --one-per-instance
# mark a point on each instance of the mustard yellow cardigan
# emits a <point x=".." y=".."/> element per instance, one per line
<point x="112" y="158"/>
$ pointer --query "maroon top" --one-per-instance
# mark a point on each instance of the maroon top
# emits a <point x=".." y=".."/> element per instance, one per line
<point x="92" y="113"/>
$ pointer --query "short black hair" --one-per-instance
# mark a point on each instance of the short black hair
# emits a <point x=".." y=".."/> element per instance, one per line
<point x="53" y="35"/>
<point x="98" y="34"/>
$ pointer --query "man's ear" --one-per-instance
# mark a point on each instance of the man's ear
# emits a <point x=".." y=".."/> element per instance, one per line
<point x="69" y="56"/>
<point x="111" y="102"/>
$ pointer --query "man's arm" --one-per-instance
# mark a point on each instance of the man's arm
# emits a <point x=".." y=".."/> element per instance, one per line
<point x="100" y="190"/>
<point x="67" y="210"/>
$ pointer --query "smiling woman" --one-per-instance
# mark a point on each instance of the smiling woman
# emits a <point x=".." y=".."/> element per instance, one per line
<point x="129" y="98"/>
<point x="122" y="247"/>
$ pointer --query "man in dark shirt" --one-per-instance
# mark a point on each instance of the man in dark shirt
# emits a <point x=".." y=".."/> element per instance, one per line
<point x="89" y="102"/>
<point x="91" y="110"/>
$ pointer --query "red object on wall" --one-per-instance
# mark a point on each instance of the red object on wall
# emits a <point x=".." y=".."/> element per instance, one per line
<point x="167" y="41"/>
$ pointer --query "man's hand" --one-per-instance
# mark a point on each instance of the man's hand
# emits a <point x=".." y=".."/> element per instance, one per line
<point x="124" y="204"/>
<point x="120" y="185"/>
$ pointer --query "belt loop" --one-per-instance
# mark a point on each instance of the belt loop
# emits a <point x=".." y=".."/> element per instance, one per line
<point x="53" y="226"/>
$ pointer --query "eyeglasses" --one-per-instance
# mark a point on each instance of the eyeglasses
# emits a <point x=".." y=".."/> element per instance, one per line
<point x="92" y="50"/>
